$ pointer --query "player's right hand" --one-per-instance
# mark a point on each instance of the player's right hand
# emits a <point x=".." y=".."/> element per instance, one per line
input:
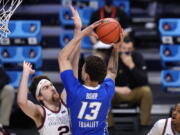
<point x="89" y="31"/>
<point x="27" y="68"/>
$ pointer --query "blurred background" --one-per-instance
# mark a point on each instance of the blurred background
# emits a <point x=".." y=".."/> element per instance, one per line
<point x="40" y="28"/>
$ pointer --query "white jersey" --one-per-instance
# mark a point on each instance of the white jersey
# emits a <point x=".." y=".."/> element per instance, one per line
<point x="162" y="127"/>
<point x="55" y="123"/>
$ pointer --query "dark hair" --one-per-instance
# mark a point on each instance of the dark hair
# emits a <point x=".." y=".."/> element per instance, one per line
<point x="34" y="84"/>
<point x="95" y="67"/>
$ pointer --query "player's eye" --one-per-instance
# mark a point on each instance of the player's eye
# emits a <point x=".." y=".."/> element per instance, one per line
<point x="46" y="87"/>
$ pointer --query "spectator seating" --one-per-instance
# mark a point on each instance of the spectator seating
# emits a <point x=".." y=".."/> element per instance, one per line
<point x="15" y="77"/>
<point x="123" y="4"/>
<point x="126" y="116"/>
<point x="170" y="80"/>
<point x="170" y="55"/>
<point x="66" y="36"/>
<point x="85" y="14"/>
<point x="18" y="54"/>
<point x="169" y="27"/>
<point x="30" y="29"/>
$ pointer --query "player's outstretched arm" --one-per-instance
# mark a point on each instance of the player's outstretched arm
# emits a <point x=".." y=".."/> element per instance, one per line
<point x="75" y="55"/>
<point x="64" y="54"/>
<point x="113" y="61"/>
<point x="74" y="58"/>
<point x="28" y="107"/>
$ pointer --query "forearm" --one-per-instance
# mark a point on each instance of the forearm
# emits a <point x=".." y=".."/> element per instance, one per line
<point x="93" y="40"/>
<point x="75" y="61"/>
<point x="69" y="48"/>
<point x="75" y="55"/>
<point x="23" y="89"/>
<point x="113" y="64"/>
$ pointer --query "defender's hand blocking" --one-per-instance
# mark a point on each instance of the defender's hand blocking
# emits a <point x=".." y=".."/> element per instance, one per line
<point x="27" y="68"/>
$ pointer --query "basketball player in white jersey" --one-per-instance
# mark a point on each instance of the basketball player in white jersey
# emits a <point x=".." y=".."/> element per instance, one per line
<point x="51" y="116"/>
<point x="169" y="126"/>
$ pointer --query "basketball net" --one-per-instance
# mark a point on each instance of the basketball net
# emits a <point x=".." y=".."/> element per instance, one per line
<point x="7" y="9"/>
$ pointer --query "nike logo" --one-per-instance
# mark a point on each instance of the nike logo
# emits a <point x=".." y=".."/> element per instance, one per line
<point x="63" y="111"/>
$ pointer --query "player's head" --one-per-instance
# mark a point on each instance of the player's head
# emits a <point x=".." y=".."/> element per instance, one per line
<point x="94" y="69"/>
<point x="43" y="90"/>
<point x="176" y="117"/>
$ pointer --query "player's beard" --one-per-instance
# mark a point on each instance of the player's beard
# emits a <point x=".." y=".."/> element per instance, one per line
<point x="55" y="97"/>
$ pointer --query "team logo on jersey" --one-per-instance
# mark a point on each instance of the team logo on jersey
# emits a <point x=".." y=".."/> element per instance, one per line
<point x="64" y="111"/>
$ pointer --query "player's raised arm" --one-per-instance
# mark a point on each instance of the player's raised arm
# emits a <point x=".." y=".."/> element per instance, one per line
<point x="28" y="107"/>
<point x="113" y="61"/>
<point x="65" y="53"/>
<point x="75" y="55"/>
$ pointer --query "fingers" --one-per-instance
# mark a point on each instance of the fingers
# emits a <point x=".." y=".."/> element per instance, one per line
<point x="94" y="35"/>
<point x="74" y="12"/>
<point x="28" y="64"/>
<point x="97" y="23"/>
<point x="72" y="9"/>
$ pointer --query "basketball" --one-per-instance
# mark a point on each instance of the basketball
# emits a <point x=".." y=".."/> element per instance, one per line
<point x="109" y="31"/>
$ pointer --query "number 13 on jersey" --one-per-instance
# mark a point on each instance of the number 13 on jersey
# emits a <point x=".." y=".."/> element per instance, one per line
<point x="94" y="110"/>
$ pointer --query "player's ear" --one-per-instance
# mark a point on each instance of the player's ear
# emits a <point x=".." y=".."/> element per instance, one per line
<point x="87" y="77"/>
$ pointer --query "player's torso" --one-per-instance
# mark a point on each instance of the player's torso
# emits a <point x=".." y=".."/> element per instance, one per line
<point x="89" y="111"/>
<point x="168" y="130"/>
<point x="56" y="123"/>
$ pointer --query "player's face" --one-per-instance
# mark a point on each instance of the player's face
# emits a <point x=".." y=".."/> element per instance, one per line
<point x="49" y="92"/>
<point x="176" y="116"/>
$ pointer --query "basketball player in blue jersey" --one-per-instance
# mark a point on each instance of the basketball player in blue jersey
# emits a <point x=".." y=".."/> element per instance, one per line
<point x="51" y="116"/>
<point x="89" y="103"/>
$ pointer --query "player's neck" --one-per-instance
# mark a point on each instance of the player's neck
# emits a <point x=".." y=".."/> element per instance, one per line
<point x="52" y="106"/>
<point x="91" y="84"/>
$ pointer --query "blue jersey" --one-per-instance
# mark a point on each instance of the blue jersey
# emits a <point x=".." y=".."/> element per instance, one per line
<point x="88" y="107"/>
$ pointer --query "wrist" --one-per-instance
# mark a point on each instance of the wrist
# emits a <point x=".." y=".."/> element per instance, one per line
<point x="26" y="72"/>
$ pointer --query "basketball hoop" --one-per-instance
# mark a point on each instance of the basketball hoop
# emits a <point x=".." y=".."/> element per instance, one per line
<point x="7" y="9"/>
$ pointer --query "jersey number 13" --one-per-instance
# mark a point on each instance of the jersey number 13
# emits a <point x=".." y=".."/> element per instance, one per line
<point x="94" y="106"/>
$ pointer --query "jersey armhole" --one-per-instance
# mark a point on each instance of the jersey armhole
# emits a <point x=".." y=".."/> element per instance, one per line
<point x="165" y="125"/>
<point x="63" y="103"/>
<point x="44" y="117"/>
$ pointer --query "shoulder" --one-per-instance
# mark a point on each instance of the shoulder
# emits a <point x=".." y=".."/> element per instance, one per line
<point x="160" y="123"/>
<point x="158" y="127"/>
<point x="108" y="81"/>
